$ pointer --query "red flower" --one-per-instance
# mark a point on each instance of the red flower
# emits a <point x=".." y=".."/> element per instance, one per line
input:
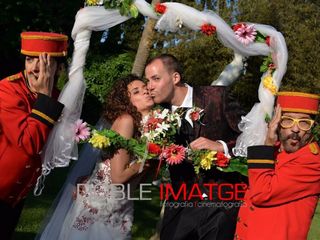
<point x="222" y="160"/>
<point x="154" y="148"/>
<point x="152" y="123"/>
<point x="208" y="29"/>
<point x="195" y="116"/>
<point x="237" y="26"/>
<point x="268" y="40"/>
<point x="272" y="66"/>
<point x="174" y="154"/>
<point x="160" y="8"/>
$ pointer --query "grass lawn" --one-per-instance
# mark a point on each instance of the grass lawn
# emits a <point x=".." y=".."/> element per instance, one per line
<point x="146" y="213"/>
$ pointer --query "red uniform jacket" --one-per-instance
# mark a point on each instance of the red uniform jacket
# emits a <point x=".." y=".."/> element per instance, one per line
<point x="282" y="195"/>
<point x="25" y="121"/>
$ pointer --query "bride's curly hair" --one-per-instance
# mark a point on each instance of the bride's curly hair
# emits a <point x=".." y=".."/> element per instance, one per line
<point x="118" y="102"/>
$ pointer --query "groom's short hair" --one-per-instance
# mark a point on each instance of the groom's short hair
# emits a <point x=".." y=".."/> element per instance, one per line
<point x="170" y="62"/>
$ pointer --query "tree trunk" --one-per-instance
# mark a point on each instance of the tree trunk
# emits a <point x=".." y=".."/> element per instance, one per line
<point x="144" y="46"/>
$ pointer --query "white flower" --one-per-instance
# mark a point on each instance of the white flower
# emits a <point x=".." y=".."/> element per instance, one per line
<point x="164" y="113"/>
<point x="162" y="127"/>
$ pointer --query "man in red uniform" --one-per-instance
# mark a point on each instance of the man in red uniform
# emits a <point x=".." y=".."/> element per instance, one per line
<point x="27" y="114"/>
<point x="284" y="180"/>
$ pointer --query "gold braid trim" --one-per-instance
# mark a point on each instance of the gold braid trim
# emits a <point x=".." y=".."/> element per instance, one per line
<point x="44" y="116"/>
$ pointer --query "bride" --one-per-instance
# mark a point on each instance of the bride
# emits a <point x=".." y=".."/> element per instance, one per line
<point x="93" y="210"/>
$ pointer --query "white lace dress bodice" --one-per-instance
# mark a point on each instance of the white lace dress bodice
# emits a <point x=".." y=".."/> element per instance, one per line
<point x="100" y="210"/>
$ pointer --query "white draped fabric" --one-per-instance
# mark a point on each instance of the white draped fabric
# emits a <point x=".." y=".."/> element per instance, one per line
<point x="61" y="146"/>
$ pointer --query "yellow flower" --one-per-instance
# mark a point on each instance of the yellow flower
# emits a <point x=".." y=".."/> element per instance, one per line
<point x="268" y="83"/>
<point x="99" y="141"/>
<point x="207" y="159"/>
<point x="92" y="2"/>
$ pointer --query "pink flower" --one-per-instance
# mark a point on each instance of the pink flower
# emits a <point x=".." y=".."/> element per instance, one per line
<point x="82" y="130"/>
<point x="245" y="33"/>
<point x="174" y="154"/>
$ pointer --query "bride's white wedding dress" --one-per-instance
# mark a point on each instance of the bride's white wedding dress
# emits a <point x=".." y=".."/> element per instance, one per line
<point x="101" y="210"/>
<point x="97" y="212"/>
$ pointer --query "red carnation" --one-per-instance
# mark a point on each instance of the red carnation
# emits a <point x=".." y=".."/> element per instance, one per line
<point x="160" y="8"/>
<point x="154" y="148"/>
<point x="208" y="29"/>
<point x="268" y="40"/>
<point x="237" y="26"/>
<point x="222" y="160"/>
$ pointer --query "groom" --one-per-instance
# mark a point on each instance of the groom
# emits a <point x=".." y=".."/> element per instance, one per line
<point x="217" y="131"/>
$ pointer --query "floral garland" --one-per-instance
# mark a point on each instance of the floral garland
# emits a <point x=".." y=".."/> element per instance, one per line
<point x="109" y="139"/>
<point x="245" y="33"/>
<point x="158" y="132"/>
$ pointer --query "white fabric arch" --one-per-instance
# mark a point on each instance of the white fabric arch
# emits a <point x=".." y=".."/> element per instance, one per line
<point x="61" y="146"/>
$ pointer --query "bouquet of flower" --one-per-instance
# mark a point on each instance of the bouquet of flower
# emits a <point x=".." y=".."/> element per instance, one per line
<point x="160" y="126"/>
<point x="158" y="131"/>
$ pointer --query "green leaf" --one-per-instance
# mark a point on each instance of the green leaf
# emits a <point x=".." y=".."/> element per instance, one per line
<point x="265" y="65"/>
<point x="122" y="11"/>
<point x="263" y="68"/>
<point x="237" y="165"/>
<point x="133" y="11"/>
<point x="267" y="118"/>
<point x="197" y="169"/>
<point x="260" y="37"/>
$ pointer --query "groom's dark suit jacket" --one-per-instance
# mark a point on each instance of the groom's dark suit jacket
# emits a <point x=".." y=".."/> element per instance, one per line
<point x="221" y="117"/>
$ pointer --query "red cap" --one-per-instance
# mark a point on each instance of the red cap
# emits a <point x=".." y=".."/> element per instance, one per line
<point x="34" y="43"/>
<point x="298" y="102"/>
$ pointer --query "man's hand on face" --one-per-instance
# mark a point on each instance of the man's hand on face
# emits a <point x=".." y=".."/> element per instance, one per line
<point x="45" y="81"/>
<point x="205" y="143"/>
<point x="272" y="133"/>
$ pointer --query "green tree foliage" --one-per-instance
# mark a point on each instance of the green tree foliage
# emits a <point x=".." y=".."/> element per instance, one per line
<point x="100" y="74"/>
